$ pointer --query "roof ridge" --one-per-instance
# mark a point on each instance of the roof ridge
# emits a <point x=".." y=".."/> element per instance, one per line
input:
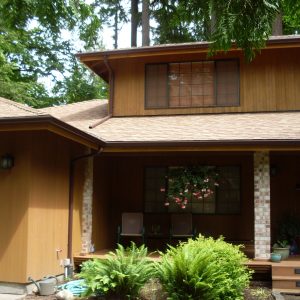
<point x="70" y="104"/>
<point x="21" y="106"/>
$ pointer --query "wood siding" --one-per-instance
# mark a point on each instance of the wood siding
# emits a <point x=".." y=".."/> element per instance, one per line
<point x="285" y="188"/>
<point x="14" y="200"/>
<point x="269" y="83"/>
<point x="48" y="205"/>
<point x="34" y="205"/>
<point x="118" y="187"/>
<point x="125" y="176"/>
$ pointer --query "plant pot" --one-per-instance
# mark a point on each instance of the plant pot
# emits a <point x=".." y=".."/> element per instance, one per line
<point x="275" y="257"/>
<point x="285" y="252"/>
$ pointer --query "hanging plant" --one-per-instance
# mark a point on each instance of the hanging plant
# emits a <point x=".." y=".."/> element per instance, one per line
<point x="187" y="183"/>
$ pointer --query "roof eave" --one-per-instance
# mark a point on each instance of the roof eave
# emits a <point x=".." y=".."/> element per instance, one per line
<point x="48" y="122"/>
<point x="139" y="51"/>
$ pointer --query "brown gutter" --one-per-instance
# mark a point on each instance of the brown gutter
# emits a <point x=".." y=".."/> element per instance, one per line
<point x="100" y="122"/>
<point x="153" y="144"/>
<point x="71" y="196"/>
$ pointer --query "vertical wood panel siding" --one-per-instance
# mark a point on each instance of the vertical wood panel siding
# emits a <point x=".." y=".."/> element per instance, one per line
<point x="14" y="199"/>
<point x="125" y="177"/>
<point x="269" y="83"/>
<point x="34" y="205"/>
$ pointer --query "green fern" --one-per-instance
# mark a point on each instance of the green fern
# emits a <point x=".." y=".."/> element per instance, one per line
<point x="205" y="269"/>
<point x="123" y="273"/>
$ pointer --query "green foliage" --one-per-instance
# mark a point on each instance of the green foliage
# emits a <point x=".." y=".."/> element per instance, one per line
<point x="36" y="42"/>
<point x="205" y="269"/>
<point x="289" y="228"/>
<point x="185" y="183"/>
<point x="291" y="16"/>
<point x="123" y="273"/>
<point x="281" y="244"/>
<point x="248" y="23"/>
<point x="82" y="84"/>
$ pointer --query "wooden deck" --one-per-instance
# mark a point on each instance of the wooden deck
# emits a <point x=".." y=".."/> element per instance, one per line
<point x="255" y="264"/>
<point x="285" y="275"/>
<point x="102" y="254"/>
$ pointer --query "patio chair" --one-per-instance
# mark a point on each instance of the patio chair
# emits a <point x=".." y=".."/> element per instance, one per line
<point x="132" y="226"/>
<point x="182" y="226"/>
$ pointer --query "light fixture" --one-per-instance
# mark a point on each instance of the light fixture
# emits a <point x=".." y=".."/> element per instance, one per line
<point x="6" y="161"/>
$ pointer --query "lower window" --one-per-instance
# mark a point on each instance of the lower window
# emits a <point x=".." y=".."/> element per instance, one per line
<point x="223" y="196"/>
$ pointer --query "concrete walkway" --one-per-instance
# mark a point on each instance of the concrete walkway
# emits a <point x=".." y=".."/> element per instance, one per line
<point x="11" y="297"/>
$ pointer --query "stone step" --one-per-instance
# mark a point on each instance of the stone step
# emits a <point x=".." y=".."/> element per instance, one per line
<point x="286" y="291"/>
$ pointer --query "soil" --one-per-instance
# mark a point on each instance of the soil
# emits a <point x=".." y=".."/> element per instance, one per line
<point x="258" y="290"/>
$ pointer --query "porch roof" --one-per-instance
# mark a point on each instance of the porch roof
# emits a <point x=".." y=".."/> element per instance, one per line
<point x="252" y="127"/>
<point x="12" y="109"/>
<point x="205" y="128"/>
<point x="81" y="115"/>
<point x="19" y="117"/>
<point x="268" y="128"/>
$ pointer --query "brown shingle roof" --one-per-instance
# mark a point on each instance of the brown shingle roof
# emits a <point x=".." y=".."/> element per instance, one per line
<point x="80" y="114"/>
<point x="11" y="109"/>
<point x="190" y="128"/>
<point x="235" y="127"/>
<point x="214" y="127"/>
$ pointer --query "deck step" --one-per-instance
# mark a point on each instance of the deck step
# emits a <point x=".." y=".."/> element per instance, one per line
<point x="286" y="277"/>
<point x="286" y="284"/>
<point x="281" y="270"/>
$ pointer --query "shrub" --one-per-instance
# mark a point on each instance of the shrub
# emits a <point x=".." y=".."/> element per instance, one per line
<point x="123" y="273"/>
<point x="205" y="269"/>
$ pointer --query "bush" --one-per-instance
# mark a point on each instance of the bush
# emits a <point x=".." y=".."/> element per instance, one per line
<point x="123" y="273"/>
<point x="205" y="269"/>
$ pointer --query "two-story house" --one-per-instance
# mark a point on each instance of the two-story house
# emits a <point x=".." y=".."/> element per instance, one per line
<point x="169" y="106"/>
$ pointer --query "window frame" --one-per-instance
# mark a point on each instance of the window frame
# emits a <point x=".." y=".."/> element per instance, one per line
<point x="215" y="83"/>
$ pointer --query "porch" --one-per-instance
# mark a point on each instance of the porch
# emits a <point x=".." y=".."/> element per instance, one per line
<point x="267" y="186"/>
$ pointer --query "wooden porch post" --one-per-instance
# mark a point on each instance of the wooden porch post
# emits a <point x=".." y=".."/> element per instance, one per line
<point x="262" y="211"/>
<point x="87" y="207"/>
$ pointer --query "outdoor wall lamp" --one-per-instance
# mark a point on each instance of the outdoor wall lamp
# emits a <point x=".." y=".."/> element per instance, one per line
<point x="6" y="161"/>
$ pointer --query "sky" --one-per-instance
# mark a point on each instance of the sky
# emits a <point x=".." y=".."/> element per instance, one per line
<point x="124" y="37"/>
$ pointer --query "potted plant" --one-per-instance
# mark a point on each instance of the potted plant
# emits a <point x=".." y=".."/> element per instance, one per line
<point x="283" y="248"/>
<point x="289" y="229"/>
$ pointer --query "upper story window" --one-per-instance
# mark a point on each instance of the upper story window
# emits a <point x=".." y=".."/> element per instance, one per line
<point x="192" y="84"/>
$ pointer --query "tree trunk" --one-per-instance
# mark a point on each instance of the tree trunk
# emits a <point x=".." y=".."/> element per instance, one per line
<point x="145" y="24"/>
<point x="134" y="21"/>
<point x="277" y="25"/>
<point x="116" y="29"/>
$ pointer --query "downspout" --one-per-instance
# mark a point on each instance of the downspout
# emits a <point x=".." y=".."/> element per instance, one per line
<point x="111" y="94"/>
<point x="71" y="196"/>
